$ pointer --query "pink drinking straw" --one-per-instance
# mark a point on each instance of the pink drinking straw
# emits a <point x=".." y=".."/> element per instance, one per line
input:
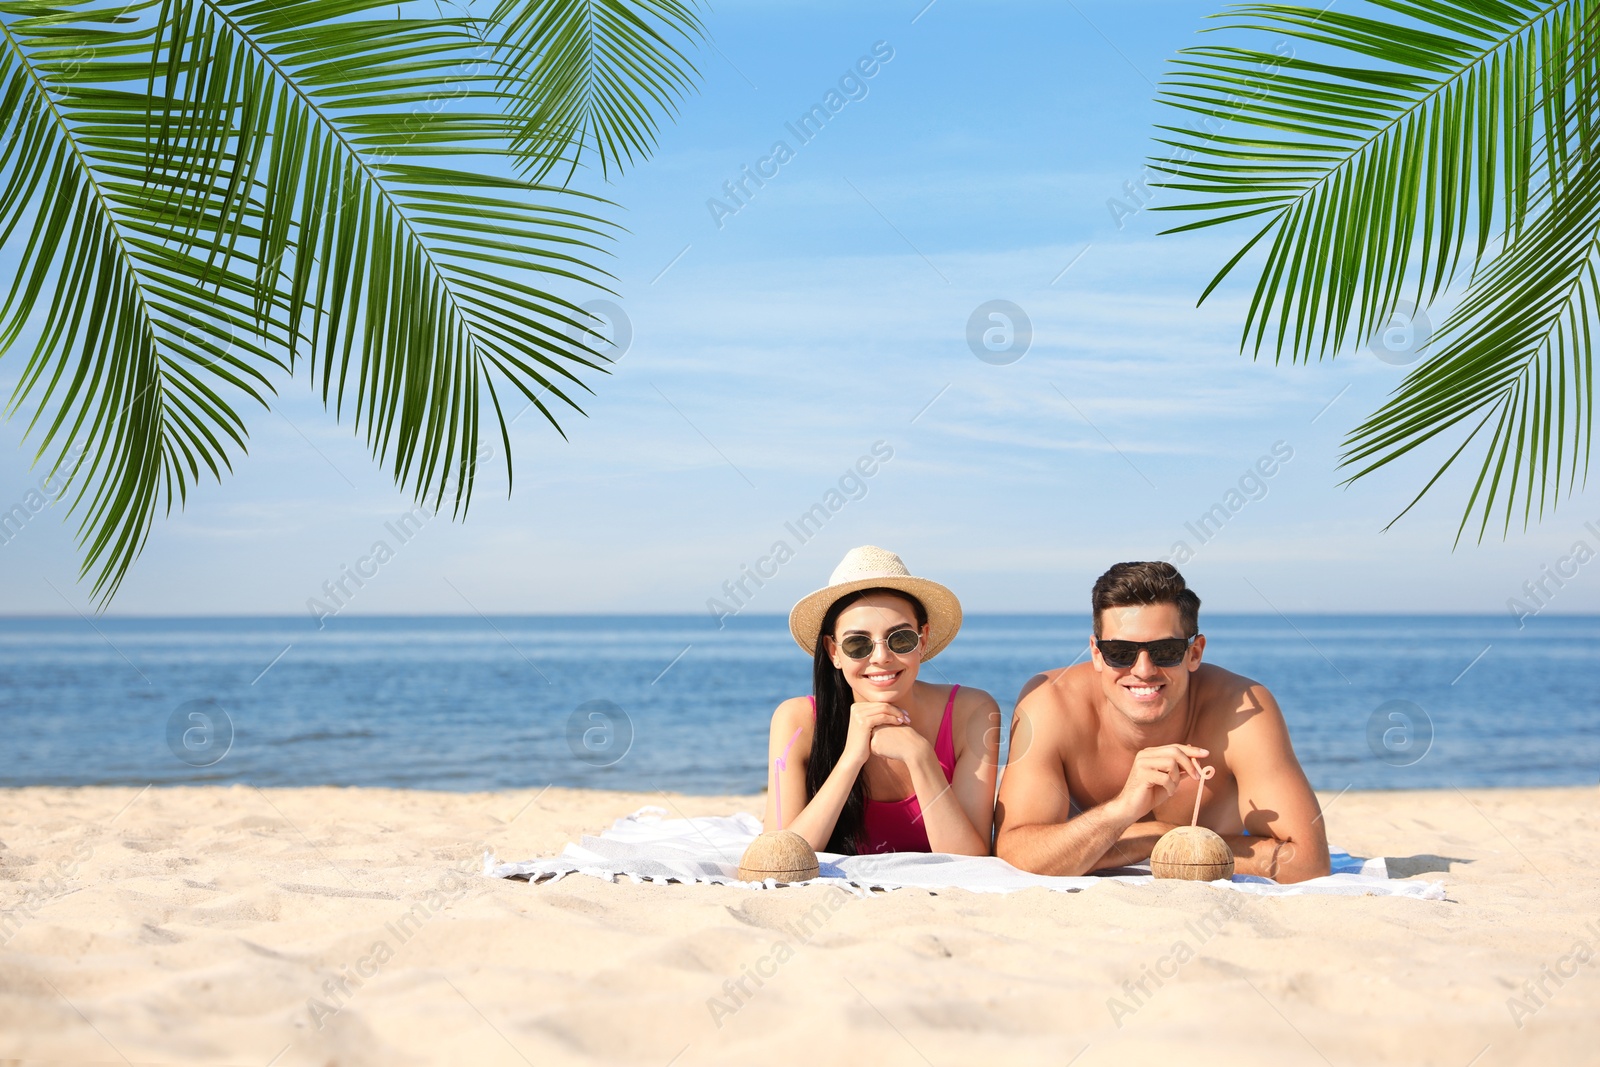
<point x="1201" y="774"/>
<point x="782" y="764"/>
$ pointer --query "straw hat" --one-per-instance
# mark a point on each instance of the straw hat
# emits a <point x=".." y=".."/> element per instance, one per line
<point x="870" y="567"/>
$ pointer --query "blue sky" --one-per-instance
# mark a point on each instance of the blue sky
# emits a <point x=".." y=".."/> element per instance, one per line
<point x="829" y="313"/>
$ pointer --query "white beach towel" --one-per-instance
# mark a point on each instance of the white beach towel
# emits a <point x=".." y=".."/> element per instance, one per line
<point x="648" y="848"/>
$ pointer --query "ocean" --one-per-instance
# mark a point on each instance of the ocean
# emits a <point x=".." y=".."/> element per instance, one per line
<point x="653" y="703"/>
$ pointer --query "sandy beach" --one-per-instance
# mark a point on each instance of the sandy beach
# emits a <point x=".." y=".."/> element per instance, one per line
<point x="350" y="926"/>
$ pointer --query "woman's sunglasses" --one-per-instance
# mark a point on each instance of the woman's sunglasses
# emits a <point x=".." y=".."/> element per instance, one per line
<point x="901" y="642"/>
<point x="1168" y="652"/>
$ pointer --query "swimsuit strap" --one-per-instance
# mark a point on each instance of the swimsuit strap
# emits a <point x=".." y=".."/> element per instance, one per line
<point x="944" y="746"/>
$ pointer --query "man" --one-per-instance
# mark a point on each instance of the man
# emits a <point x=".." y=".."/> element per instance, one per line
<point x="1106" y="755"/>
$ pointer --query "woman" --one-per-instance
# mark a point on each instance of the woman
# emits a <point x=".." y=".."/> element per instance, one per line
<point x="877" y="760"/>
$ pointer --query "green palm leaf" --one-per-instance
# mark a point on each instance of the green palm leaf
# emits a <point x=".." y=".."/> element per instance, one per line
<point x="216" y="191"/>
<point x="593" y="75"/>
<point x="1516" y="357"/>
<point x="136" y="360"/>
<point x="1416" y="142"/>
<point x="418" y="280"/>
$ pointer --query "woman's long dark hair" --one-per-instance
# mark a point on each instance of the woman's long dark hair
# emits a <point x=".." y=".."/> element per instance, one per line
<point x="834" y="698"/>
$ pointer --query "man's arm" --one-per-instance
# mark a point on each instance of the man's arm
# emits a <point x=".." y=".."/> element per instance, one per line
<point x="1033" y="816"/>
<point x="1135" y="844"/>
<point x="1288" y="840"/>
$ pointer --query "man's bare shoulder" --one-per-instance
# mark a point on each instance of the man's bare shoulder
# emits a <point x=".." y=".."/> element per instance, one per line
<point x="1230" y="700"/>
<point x="1058" y="689"/>
<point x="1219" y="685"/>
<point x="1059" y="705"/>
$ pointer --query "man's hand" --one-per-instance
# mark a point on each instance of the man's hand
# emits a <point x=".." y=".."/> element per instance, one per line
<point x="1155" y="776"/>
<point x="1038" y="830"/>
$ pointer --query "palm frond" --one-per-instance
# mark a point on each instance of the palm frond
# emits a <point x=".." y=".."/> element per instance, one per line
<point x="216" y="191"/>
<point x="593" y="75"/>
<point x="1377" y="171"/>
<point x="417" y="279"/>
<point x="136" y="362"/>
<point x="1422" y="142"/>
<point x="1515" y="359"/>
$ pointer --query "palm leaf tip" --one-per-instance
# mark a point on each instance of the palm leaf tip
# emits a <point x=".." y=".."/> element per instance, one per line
<point x="1395" y="150"/>
<point x="593" y="76"/>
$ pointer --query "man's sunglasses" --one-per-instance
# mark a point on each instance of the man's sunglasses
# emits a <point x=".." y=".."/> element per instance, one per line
<point x="901" y="642"/>
<point x="1168" y="652"/>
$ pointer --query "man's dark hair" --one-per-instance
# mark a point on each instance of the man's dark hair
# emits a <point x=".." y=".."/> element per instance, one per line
<point x="1129" y="584"/>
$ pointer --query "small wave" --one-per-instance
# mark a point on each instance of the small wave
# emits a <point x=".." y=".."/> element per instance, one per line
<point x="328" y="735"/>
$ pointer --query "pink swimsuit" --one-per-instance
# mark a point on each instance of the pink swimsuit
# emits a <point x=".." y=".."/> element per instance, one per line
<point x="896" y="825"/>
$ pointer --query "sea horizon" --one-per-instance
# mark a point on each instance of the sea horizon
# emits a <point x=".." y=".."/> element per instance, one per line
<point x="652" y="702"/>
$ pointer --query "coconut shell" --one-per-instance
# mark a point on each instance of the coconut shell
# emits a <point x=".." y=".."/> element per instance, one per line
<point x="1193" y="853"/>
<point x="782" y="855"/>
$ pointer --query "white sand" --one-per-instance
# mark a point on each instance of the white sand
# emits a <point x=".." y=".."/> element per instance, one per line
<point x="213" y="925"/>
